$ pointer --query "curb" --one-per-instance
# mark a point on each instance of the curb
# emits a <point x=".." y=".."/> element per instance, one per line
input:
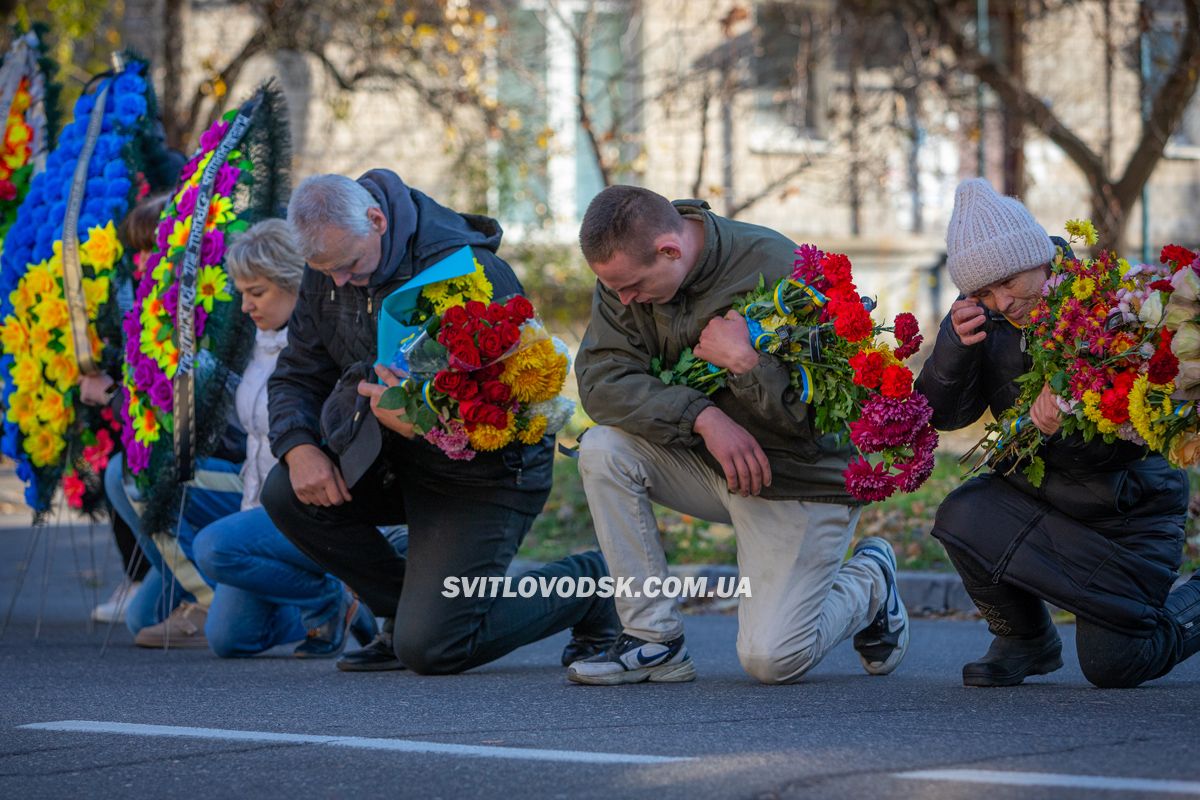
<point x="924" y="593"/>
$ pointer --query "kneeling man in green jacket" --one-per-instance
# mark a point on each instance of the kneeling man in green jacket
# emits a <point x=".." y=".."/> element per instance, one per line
<point x="667" y="276"/>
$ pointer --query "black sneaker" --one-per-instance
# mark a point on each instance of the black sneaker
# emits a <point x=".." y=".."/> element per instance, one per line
<point x="633" y="660"/>
<point x="594" y="634"/>
<point x="1010" y="660"/>
<point x="378" y="656"/>
<point x="882" y="644"/>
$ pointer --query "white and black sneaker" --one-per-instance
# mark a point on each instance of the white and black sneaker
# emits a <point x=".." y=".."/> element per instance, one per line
<point x="633" y="660"/>
<point x="882" y="644"/>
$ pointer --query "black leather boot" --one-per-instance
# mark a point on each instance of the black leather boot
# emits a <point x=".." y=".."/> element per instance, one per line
<point x="1010" y="660"/>
<point x="1026" y="642"/>
<point x="1183" y="605"/>
<point x="377" y="656"/>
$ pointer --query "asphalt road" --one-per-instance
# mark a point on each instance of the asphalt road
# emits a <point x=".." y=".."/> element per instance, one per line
<point x="273" y="726"/>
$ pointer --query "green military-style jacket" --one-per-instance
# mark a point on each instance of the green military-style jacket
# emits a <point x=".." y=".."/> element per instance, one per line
<point x="618" y="387"/>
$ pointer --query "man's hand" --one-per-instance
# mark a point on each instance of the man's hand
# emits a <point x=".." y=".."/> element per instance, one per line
<point x="967" y="317"/>
<point x="745" y="464"/>
<point x="96" y="390"/>
<point x="315" y="479"/>
<point x="725" y="342"/>
<point x="392" y="420"/>
<point x="1045" y="413"/>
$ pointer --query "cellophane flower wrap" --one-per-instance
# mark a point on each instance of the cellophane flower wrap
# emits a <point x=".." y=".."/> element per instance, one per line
<point x="854" y="380"/>
<point x="250" y="185"/>
<point x="51" y="434"/>
<point x="483" y="374"/>
<point x="1101" y="340"/>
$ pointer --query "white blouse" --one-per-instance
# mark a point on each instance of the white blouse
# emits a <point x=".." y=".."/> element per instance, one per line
<point x="252" y="413"/>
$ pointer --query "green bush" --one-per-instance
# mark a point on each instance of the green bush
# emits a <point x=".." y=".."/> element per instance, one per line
<point x="565" y="525"/>
<point x="557" y="281"/>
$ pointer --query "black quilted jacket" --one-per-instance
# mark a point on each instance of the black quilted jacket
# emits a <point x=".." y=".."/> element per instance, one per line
<point x="1105" y="529"/>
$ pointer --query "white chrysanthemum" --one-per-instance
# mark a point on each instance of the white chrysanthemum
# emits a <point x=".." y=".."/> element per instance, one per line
<point x="557" y="413"/>
<point x="561" y="347"/>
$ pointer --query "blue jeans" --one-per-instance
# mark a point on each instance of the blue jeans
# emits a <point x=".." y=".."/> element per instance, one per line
<point x="160" y="591"/>
<point x="268" y="592"/>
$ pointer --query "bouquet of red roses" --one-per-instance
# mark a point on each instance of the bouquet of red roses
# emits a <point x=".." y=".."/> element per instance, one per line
<point x="483" y="375"/>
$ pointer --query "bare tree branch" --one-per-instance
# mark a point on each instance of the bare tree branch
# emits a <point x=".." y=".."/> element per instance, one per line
<point x="228" y="76"/>
<point x="1010" y="90"/>
<point x="766" y="191"/>
<point x="1168" y="109"/>
<point x="702" y="158"/>
<point x="583" y="46"/>
<point x="1112" y="200"/>
<point x="172" y="59"/>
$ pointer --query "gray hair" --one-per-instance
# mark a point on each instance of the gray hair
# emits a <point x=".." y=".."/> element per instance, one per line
<point x="328" y="201"/>
<point x="268" y="250"/>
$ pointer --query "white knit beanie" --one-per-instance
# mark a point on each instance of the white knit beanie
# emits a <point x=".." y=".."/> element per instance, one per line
<point x="991" y="238"/>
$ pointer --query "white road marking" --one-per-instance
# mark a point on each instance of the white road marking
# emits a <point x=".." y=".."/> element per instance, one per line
<point x="1094" y="782"/>
<point x="365" y="743"/>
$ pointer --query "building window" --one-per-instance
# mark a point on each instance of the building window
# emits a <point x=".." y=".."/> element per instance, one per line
<point x="519" y="170"/>
<point x="549" y="179"/>
<point x="791" y="73"/>
<point x="1165" y="34"/>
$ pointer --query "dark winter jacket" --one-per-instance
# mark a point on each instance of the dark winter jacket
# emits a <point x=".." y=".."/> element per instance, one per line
<point x="1102" y="536"/>
<point x="618" y="387"/>
<point x="332" y="346"/>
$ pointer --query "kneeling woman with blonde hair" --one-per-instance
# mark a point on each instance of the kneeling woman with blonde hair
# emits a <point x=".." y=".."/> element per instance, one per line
<point x="268" y="592"/>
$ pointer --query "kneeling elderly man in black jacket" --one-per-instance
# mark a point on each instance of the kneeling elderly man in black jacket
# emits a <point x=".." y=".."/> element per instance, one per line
<point x="1103" y="535"/>
<point x="347" y="466"/>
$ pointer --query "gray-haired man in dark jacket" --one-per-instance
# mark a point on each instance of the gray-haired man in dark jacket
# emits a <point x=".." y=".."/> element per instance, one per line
<point x="1102" y="536"/>
<point x="347" y="466"/>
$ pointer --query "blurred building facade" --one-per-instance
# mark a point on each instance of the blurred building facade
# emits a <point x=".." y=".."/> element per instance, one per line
<point x="789" y="113"/>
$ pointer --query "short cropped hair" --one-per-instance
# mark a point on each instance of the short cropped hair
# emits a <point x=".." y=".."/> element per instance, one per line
<point x="328" y="201"/>
<point x="267" y="250"/>
<point x="626" y="219"/>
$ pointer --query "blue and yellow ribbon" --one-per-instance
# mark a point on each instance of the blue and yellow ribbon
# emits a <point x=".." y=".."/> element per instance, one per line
<point x="760" y="338"/>
<point x="816" y="297"/>
<point x="806" y="384"/>
<point x="1013" y="428"/>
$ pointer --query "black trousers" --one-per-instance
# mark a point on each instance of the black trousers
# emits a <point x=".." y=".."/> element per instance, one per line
<point x="449" y="536"/>
<point x="1109" y="659"/>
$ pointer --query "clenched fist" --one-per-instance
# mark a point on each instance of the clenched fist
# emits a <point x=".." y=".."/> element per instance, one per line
<point x="967" y="318"/>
